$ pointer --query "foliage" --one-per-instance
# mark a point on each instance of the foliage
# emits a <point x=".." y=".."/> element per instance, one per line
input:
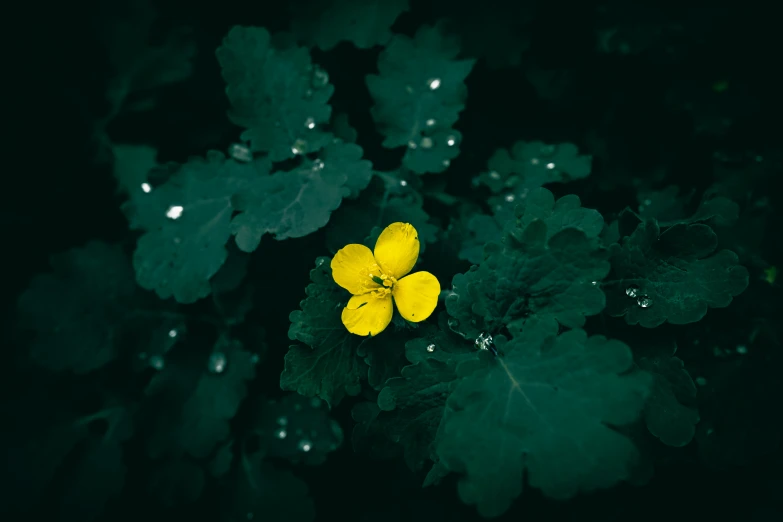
<point x="607" y="298"/>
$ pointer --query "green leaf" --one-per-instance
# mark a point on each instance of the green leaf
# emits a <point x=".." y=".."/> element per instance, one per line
<point x="383" y="203"/>
<point x="193" y="402"/>
<point x="673" y="276"/>
<point x="413" y="404"/>
<point x="418" y="95"/>
<point x="328" y="367"/>
<point x="127" y="30"/>
<point x="298" y="429"/>
<point x="188" y="222"/>
<point x="81" y="456"/>
<point x="384" y="355"/>
<point x="529" y="165"/>
<point x="545" y="411"/>
<point x="551" y="278"/>
<point x="77" y="312"/>
<point x="298" y="202"/>
<point x="670" y="413"/>
<point x="276" y="94"/>
<point x="177" y="482"/>
<point x="257" y="490"/>
<point x="364" y="23"/>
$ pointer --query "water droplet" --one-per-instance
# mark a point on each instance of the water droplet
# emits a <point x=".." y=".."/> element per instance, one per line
<point x="701" y="381"/>
<point x="430" y="122"/>
<point x="446" y="162"/>
<point x="240" y="152"/>
<point x="431" y="348"/>
<point x="509" y="198"/>
<point x="305" y="445"/>
<point x="172" y="333"/>
<point x="174" y="212"/>
<point x="318" y="164"/>
<point x="742" y="349"/>
<point x="282" y="420"/>
<point x="299" y="146"/>
<point x="157" y="362"/>
<point x="280" y="433"/>
<point x="315" y="402"/>
<point x="451" y="141"/>
<point x="494" y="174"/>
<point x="320" y="78"/>
<point x="403" y="183"/>
<point x="426" y="142"/>
<point x="321" y="262"/>
<point x="644" y="301"/>
<point x="594" y="283"/>
<point x="433" y="83"/>
<point x="632" y="291"/>
<point x="217" y="362"/>
<point x="550" y="166"/>
<point x="534" y="161"/>
<point x="310" y="123"/>
<point x="412" y="144"/>
<point x="484" y="342"/>
<point x="146" y="188"/>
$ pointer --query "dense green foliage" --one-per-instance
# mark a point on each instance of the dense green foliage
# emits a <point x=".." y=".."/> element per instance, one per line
<point x="588" y="331"/>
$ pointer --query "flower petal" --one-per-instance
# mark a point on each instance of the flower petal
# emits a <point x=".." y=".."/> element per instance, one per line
<point x="353" y="268"/>
<point x="397" y="249"/>
<point x="416" y="296"/>
<point x="367" y="314"/>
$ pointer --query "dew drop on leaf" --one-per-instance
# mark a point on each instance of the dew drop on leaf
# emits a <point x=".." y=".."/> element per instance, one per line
<point x="426" y="142"/>
<point x="431" y="348"/>
<point x="430" y="122"/>
<point x="550" y="166"/>
<point x="157" y="362"/>
<point x="509" y="198"/>
<point x="217" y="362"/>
<point x="280" y="433"/>
<point x="299" y="146"/>
<point x="632" y="291"/>
<point x="172" y="333"/>
<point x="320" y="78"/>
<point x="742" y="349"/>
<point x="433" y="83"/>
<point x="403" y="183"/>
<point x="146" y="187"/>
<point x="494" y="174"/>
<point x="305" y="445"/>
<point x="174" y="212"/>
<point x="240" y="153"/>
<point x="412" y="144"/>
<point x="451" y="141"/>
<point x="644" y="301"/>
<point x="310" y="123"/>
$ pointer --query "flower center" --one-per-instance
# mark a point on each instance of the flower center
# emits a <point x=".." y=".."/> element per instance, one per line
<point x="387" y="284"/>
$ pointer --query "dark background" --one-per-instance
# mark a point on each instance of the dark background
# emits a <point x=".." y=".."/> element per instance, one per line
<point x="634" y="106"/>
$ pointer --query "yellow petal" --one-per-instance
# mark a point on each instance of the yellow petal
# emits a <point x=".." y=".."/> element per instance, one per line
<point x="367" y="314"/>
<point x="353" y="268"/>
<point x="397" y="249"/>
<point x="416" y="296"/>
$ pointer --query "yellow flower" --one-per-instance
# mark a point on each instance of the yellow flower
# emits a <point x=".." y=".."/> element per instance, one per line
<point x="375" y="278"/>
